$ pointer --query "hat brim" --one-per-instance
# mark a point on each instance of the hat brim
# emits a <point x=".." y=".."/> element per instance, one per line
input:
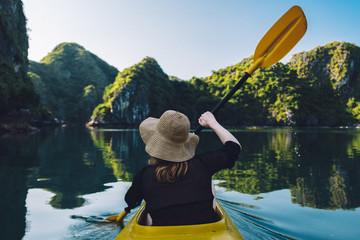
<point x="159" y="147"/>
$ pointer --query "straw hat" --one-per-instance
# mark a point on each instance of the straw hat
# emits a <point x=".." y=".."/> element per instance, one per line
<point x="168" y="137"/>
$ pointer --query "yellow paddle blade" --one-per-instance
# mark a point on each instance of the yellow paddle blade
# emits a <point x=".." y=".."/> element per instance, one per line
<point x="117" y="218"/>
<point x="112" y="218"/>
<point x="280" y="38"/>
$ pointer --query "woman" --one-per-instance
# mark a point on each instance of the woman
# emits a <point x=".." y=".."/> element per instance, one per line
<point x="176" y="185"/>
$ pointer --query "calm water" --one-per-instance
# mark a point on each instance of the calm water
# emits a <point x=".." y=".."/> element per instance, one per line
<point x="287" y="184"/>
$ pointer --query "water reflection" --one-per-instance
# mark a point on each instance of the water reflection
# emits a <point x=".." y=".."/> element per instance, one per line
<point x="70" y="167"/>
<point x="18" y="157"/>
<point x="74" y="162"/>
<point x="122" y="151"/>
<point x="320" y="167"/>
<point x="267" y="162"/>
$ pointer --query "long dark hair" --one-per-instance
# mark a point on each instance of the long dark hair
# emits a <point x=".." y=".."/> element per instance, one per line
<point x="169" y="171"/>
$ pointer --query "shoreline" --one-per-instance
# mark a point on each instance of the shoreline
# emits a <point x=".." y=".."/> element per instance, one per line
<point x="23" y="126"/>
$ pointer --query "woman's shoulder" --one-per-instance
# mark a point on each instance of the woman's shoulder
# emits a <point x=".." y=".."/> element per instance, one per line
<point x="197" y="161"/>
<point x="143" y="170"/>
<point x="221" y="158"/>
<point x="228" y="147"/>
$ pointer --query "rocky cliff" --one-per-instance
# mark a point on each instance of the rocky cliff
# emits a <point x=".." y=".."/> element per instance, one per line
<point x="337" y="62"/>
<point x="331" y="95"/>
<point x="139" y="91"/>
<point x="16" y="89"/>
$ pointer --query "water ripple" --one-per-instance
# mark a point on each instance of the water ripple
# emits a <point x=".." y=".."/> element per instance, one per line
<point x="251" y="225"/>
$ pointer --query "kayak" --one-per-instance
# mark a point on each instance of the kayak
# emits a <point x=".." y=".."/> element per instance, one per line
<point x="224" y="228"/>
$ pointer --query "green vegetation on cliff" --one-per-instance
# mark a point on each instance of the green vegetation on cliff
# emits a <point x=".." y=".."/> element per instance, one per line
<point x="16" y="89"/>
<point x="319" y="87"/>
<point x="270" y="96"/>
<point x="331" y="90"/>
<point x="143" y="90"/>
<point x="70" y="81"/>
<point x="316" y="88"/>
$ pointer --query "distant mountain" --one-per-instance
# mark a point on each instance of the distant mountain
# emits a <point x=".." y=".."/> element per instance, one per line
<point x="316" y="88"/>
<point x="70" y="81"/>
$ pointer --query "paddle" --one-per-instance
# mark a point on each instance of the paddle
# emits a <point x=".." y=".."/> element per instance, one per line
<point x="274" y="45"/>
<point x="117" y="218"/>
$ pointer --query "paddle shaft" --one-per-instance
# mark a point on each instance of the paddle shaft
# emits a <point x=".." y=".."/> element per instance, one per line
<point x="226" y="98"/>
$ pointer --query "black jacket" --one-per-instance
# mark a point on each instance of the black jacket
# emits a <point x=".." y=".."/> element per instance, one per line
<point x="188" y="200"/>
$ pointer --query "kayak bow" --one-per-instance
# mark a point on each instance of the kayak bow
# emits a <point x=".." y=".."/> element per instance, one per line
<point x="224" y="228"/>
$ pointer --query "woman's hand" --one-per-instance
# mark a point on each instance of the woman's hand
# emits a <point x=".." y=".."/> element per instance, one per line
<point x="207" y="119"/>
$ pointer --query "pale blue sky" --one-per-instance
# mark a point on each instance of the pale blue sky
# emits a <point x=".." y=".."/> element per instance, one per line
<point x="187" y="37"/>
